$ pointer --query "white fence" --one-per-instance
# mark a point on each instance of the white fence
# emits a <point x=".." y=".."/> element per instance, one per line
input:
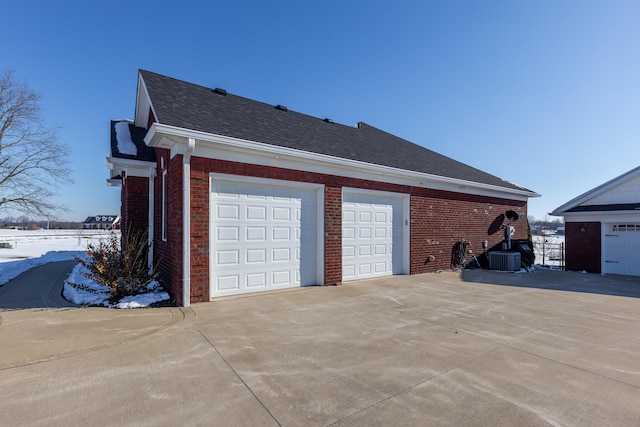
<point x="22" y="244"/>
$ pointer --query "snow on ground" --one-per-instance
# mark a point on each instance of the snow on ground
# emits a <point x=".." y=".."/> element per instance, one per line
<point x="29" y="249"/>
<point x="99" y="295"/>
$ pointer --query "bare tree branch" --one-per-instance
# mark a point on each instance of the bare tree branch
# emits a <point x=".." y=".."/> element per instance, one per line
<point x="32" y="159"/>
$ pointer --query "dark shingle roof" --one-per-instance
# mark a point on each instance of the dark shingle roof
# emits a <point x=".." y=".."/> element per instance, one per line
<point x="144" y="152"/>
<point x="186" y="105"/>
<point x="606" y="208"/>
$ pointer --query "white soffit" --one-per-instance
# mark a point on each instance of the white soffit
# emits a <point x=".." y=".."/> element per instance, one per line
<point x="132" y="167"/>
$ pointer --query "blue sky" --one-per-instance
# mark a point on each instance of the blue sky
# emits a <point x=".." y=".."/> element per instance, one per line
<point x="544" y="94"/>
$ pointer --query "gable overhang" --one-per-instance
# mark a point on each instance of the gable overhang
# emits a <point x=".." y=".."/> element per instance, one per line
<point x="143" y="105"/>
<point x="223" y="147"/>
<point x="582" y="199"/>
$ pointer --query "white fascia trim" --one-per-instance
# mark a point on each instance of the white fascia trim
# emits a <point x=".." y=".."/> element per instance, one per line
<point x="175" y="138"/>
<point x="605" y="216"/>
<point x="131" y="167"/>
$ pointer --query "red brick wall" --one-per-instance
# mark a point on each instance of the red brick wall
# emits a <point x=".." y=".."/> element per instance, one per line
<point x="439" y="219"/>
<point x="134" y="205"/>
<point x="583" y="248"/>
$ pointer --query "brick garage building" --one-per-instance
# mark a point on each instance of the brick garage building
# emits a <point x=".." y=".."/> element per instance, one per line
<point x="243" y="196"/>
<point x="602" y="227"/>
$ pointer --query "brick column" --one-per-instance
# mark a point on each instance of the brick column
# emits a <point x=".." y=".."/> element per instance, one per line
<point x="333" y="235"/>
<point x="135" y="205"/>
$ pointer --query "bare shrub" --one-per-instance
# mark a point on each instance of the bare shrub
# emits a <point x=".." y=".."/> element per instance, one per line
<point x="123" y="271"/>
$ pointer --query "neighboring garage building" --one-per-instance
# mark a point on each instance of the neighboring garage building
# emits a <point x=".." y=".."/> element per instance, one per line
<point x="602" y="227"/>
<point x="268" y="198"/>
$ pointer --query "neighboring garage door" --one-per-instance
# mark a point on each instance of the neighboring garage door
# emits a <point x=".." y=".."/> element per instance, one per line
<point x="264" y="236"/>
<point x="622" y="249"/>
<point x="373" y="241"/>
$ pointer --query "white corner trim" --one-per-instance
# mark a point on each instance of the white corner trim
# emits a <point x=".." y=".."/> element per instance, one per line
<point x="186" y="223"/>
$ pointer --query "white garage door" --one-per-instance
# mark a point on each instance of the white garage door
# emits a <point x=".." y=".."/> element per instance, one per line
<point x="622" y="249"/>
<point x="263" y="236"/>
<point x="372" y="235"/>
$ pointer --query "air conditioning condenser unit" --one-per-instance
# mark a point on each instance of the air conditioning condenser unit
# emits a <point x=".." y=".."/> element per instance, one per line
<point x="504" y="261"/>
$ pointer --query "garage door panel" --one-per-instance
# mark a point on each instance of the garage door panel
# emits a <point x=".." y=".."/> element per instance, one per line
<point x="380" y="233"/>
<point x="364" y="250"/>
<point x="228" y="212"/>
<point x="227" y="233"/>
<point x="258" y="233"/>
<point x="254" y="256"/>
<point x="256" y="280"/>
<point x="281" y="278"/>
<point x="281" y="233"/>
<point x="228" y="283"/>
<point x="381" y="250"/>
<point x="349" y="271"/>
<point x="364" y="217"/>
<point x="348" y="233"/>
<point x="227" y="258"/>
<point x="364" y="269"/>
<point x="348" y="216"/>
<point x="281" y="255"/>
<point x="349" y="251"/>
<point x="364" y="233"/>
<point x="281" y="214"/>
<point x="264" y="237"/>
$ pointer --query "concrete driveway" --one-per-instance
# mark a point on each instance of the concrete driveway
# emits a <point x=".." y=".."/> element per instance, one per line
<point x="463" y="349"/>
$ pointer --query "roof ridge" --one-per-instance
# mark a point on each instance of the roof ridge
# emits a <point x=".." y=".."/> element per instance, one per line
<point x="264" y="103"/>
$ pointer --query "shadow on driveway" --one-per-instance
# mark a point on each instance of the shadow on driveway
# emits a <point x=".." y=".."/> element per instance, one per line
<point x="569" y="281"/>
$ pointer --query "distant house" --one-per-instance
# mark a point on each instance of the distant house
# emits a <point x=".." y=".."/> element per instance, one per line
<point x="240" y="196"/>
<point x="602" y="227"/>
<point x="102" y="222"/>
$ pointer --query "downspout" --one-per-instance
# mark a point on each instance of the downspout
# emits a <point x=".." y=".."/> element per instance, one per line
<point x="186" y="223"/>
<point x="150" y="234"/>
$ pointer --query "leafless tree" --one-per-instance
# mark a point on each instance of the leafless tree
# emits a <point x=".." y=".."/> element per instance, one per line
<point x="32" y="159"/>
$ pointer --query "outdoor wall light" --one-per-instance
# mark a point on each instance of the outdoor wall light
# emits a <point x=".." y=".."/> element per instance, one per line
<point x="583" y="228"/>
